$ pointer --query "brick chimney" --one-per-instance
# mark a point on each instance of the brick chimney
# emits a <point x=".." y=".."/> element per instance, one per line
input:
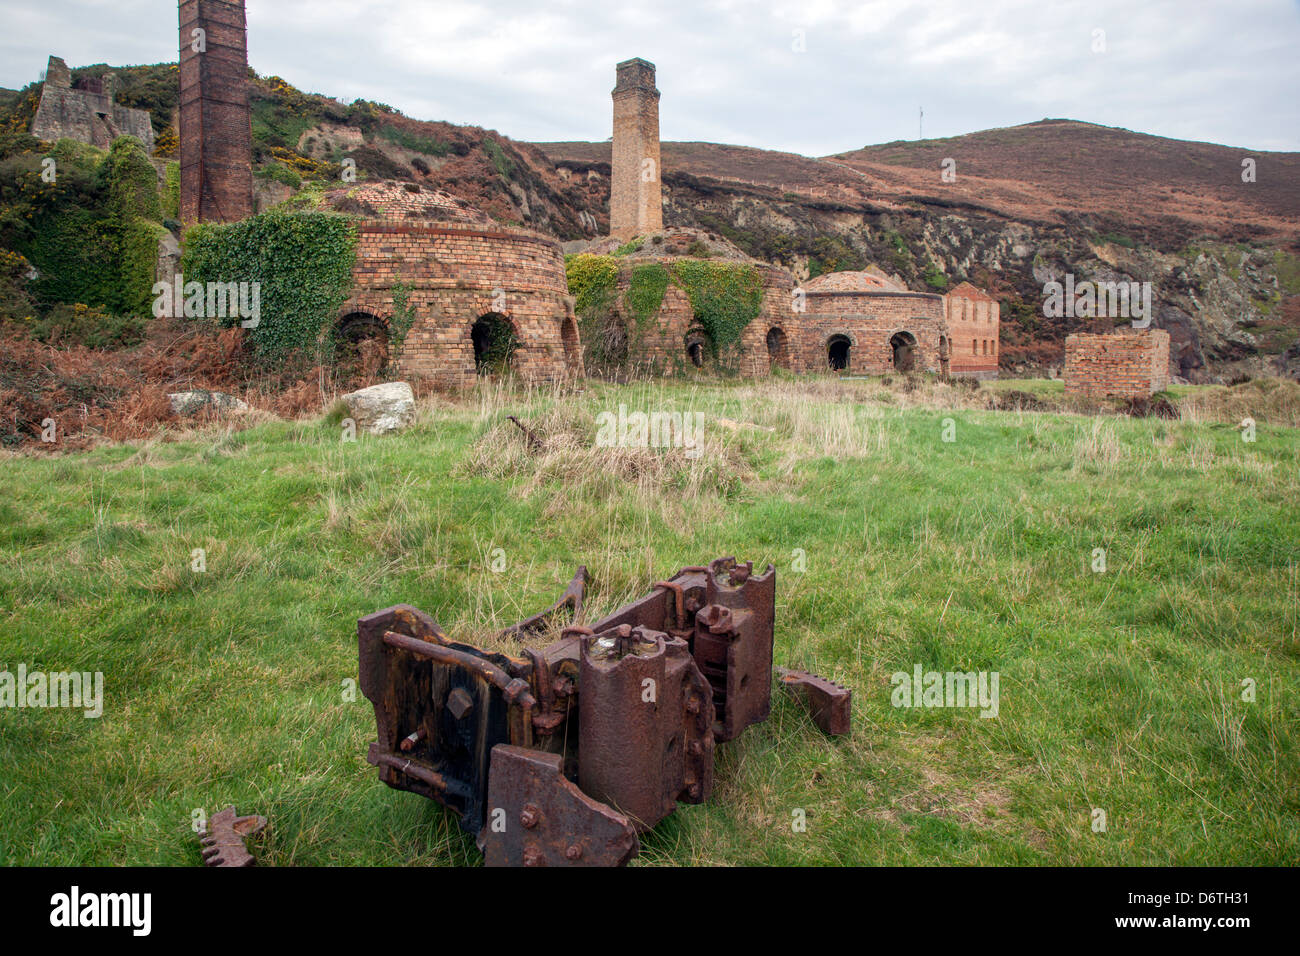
<point x="216" y="123"/>
<point x="635" y="193"/>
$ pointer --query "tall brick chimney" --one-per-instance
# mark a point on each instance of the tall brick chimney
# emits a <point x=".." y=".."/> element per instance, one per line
<point x="635" y="194"/>
<point x="216" y="124"/>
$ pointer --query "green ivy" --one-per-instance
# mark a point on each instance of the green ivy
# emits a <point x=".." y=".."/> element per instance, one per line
<point x="645" y="293"/>
<point x="93" y="233"/>
<point x="303" y="261"/>
<point x="172" y="191"/>
<point x="725" y="297"/>
<point x="592" y="281"/>
<point x="400" y="323"/>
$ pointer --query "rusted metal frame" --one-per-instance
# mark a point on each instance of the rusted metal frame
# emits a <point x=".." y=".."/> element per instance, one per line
<point x="733" y="639"/>
<point x="645" y="723"/>
<point x="572" y="598"/>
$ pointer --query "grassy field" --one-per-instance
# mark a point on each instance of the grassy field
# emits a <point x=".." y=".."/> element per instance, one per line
<point x="1120" y="691"/>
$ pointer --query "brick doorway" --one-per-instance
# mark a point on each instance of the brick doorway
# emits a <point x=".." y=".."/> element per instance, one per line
<point x="778" y="347"/>
<point x="837" y="353"/>
<point x="699" y="346"/>
<point x="360" y="345"/>
<point x="495" y="341"/>
<point x="572" y="346"/>
<point x="903" y="347"/>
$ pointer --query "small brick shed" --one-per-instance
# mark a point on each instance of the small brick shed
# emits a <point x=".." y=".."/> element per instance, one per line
<point x="1126" y="363"/>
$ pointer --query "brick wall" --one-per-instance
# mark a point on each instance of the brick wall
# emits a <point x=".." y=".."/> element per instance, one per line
<point x="1124" y="364"/>
<point x="455" y="272"/>
<point x="869" y="320"/>
<point x="974" y="326"/>
<point x="216" y="135"/>
<point x="662" y="344"/>
<point x="635" y="203"/>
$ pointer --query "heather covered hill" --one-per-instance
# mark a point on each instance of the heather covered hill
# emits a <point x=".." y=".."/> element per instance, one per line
<point x="1043" y="171"/>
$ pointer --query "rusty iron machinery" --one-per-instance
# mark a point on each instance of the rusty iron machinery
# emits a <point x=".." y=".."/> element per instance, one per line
<point x="562" y="755"/>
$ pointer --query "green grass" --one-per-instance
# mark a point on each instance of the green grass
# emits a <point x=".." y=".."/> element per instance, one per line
<point x="1119" y="691"/>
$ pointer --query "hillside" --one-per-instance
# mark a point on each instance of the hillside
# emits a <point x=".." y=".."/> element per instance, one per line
<point x="1029" y="203"/>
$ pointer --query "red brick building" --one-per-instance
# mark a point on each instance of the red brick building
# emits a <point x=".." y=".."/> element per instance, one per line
<point x="974" y="320"/>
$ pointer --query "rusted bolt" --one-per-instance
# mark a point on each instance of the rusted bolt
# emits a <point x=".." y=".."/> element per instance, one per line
<point x="460" y="703"/>
<point x="574" y="852"/>
<point x="530" y="817"/>
<point x="533" y="857"/>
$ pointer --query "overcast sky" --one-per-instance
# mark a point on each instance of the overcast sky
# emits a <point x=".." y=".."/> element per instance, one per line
<point x="1223" y="71"/>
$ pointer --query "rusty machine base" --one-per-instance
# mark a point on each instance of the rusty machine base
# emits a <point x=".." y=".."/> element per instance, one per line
<point x="561" y="756"/>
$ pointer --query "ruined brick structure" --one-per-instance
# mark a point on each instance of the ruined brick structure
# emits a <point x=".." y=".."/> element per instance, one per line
<point x="673" y="340"/>
<point x="86" y="110"/>
<point x="215" y="120"/>
<point x="864" y="324"/>
<point x="974" y="320"/>
<point x="1127" y="363"/>
<point x="635" y="195"/>
<point x="465" y="276"/>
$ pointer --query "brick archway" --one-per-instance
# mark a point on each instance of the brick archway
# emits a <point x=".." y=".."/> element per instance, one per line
<point x="699" y="346"/>
<point x="778" y="347"/>
<point x="903" y="351"/>
<point x="360" y="343"/>
<point x="572" y="344"/>
<point x="839" y="352"/>
<point x="495" y="340"/>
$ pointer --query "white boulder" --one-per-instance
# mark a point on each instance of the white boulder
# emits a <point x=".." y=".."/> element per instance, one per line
<point x="381" y="409"/>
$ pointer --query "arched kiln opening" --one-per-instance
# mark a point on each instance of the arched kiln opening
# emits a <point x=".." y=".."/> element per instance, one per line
<point x="495" y="341"/>
<point x="837" y="353"/>
<point x="903" y="346"/>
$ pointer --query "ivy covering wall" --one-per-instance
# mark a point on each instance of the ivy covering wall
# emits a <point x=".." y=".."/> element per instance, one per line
<point x="725" y="297"/>
<point x="303" y="261"/>
<point x="92" y="232"/>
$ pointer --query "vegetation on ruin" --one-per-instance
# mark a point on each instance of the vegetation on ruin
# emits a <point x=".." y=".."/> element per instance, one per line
<point x="91" y="236"/>
<point x="645" y="292"/>
<point x="725" y="297"/>
<point x="1119" y="690"/>
<point x="400" y="322"/>
<point x="303" y="261"/>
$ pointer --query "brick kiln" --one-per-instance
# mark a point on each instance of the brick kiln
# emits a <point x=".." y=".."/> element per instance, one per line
<point x="482" y="294"/>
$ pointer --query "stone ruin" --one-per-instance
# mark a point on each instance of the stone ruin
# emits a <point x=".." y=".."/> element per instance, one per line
<point x="85" y="110"/>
